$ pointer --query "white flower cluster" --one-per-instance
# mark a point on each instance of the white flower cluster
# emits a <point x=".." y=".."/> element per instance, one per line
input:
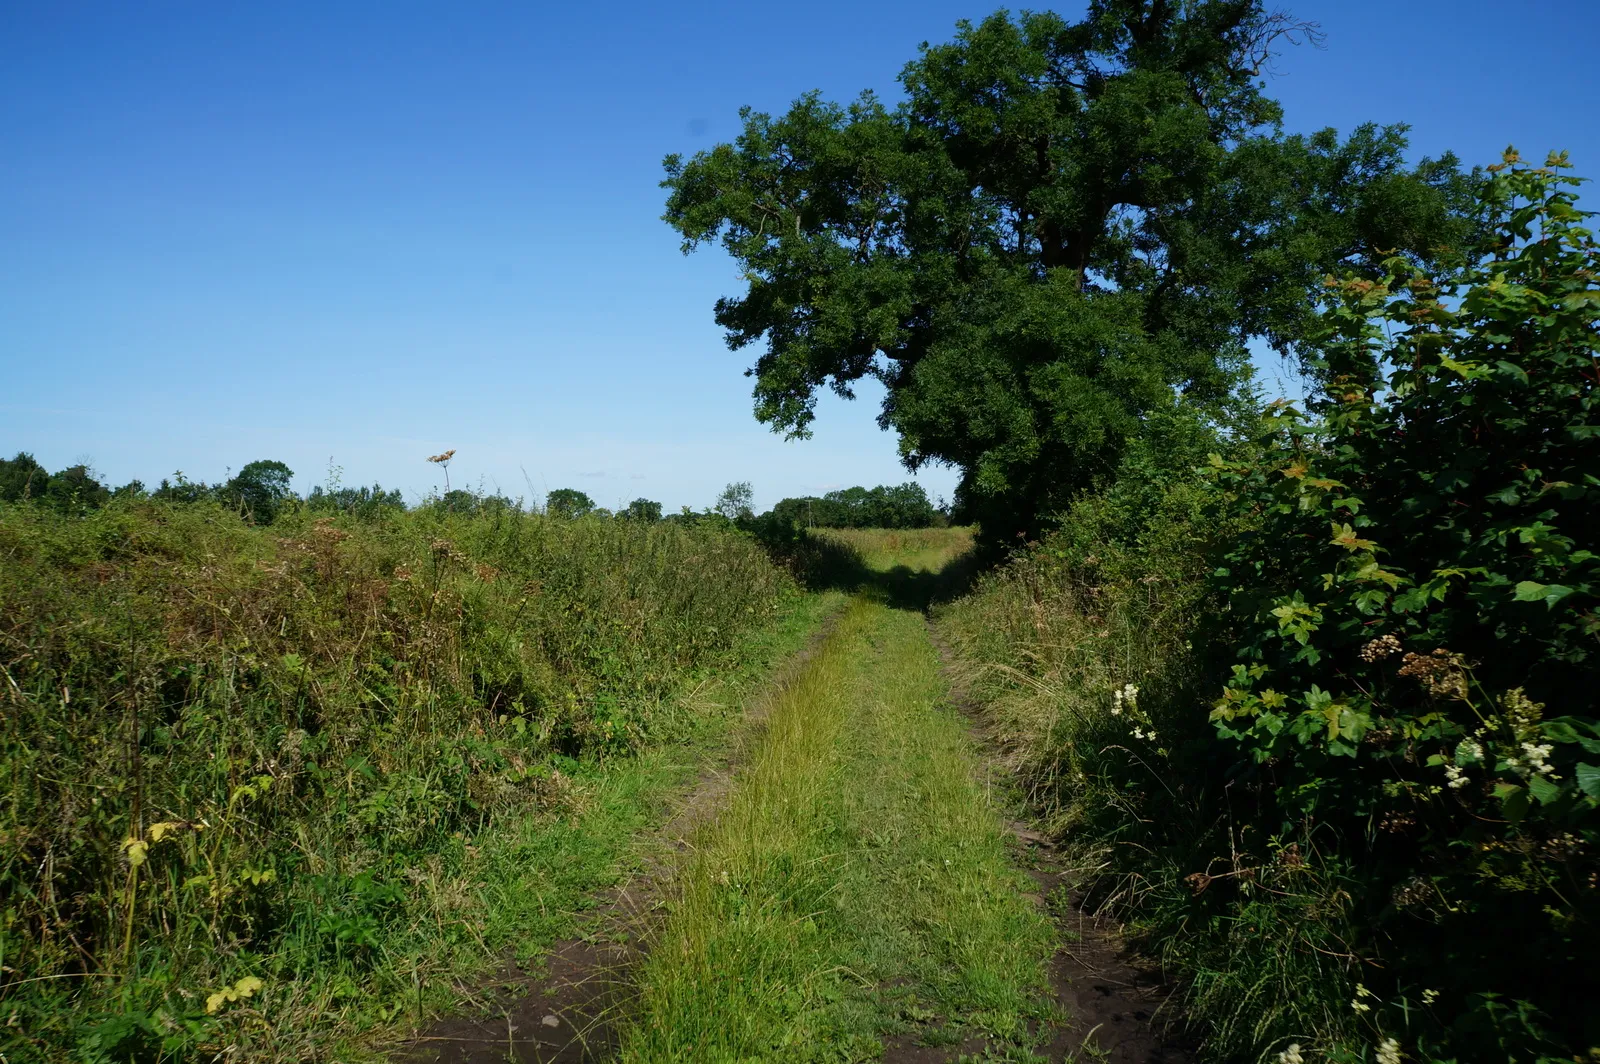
<point x="1388" y="1051"/>
<point x="1535" y="761"/>
<point x="1456" y="777"/>
<point x="1429" y="997"/>
<point x="1356" y="1004"/>
<point x="1291" y="1055"/>
<point x="1126" y="695"/>
<point x="1140" y="733"/>
<point x="1469" y="752"/>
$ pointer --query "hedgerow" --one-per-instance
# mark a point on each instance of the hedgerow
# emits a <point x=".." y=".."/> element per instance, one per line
<point x="1325" y="720"/>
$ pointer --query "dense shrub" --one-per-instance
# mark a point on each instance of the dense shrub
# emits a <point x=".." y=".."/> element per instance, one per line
<point x="1323" y="719"/>
<point x="232" y="753"/>
<point x="1418" y="663"/>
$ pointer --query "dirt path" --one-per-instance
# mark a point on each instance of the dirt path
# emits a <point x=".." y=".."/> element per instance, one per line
<point x="1110" y="1002"/>
<point x="849" y="884"/>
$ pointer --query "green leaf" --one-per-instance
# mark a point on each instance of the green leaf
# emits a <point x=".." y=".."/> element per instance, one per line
<point x="1589" y="780"/>
<point x="1513" y="801"/>
<point x="1544" y="790"/>
<point x="1511" y="369"/>
<point x="1549" y="594"/>
<point x="1560" y="730"/>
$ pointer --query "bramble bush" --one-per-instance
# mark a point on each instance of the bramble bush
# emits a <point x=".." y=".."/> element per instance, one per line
<point x="1383" y="841"/>
<point x="1418" y="667"/>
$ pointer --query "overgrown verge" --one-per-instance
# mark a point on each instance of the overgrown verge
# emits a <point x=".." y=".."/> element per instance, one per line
<point x="267" y="786"/>
<point x="1321" y="722"/>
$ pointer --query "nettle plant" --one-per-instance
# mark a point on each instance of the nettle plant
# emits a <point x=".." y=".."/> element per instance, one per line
<point x="1420" y="648"/>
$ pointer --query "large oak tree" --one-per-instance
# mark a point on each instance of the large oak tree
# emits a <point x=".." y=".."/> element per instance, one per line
<point x="1063" y="229"/>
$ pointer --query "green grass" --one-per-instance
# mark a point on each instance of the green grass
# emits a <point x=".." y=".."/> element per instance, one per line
<point x="857" y="884"/>
<point x="353" y="761"/>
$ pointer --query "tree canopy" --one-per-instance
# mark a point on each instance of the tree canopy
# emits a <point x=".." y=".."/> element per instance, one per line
<point x="1064" y="227"/>
<point x="74" y="489"/>
<point x="643" y="510"/>
<point x="260" y="489"/>
<point x="568" y="502"/>
<point x="737" y="501"/>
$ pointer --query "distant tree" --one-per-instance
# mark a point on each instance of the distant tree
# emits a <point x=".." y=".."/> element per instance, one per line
<point x="799" y="511"/>
<point x="362" y="502"/>
<point x="643" y="510"/>
<point x="736" y="501"/>
<point x="72" y="490"/>
<point x="568" y="502"/>
<point x="458" y="501"/>
<point x="22" y="478"/>
<point x="905" y="506"/>
<point x="180" y="488"/>
<point x="260" y="489"/>
<point x="75" y="490"/>
<point x="497" y="503"/>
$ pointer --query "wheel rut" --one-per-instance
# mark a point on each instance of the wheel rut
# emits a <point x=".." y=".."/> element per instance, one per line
<point x="1112" y="1000"/>
<point x="567" y="1007"/>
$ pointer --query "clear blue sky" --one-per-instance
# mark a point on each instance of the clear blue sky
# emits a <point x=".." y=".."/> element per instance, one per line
<point x="375" y="231"/>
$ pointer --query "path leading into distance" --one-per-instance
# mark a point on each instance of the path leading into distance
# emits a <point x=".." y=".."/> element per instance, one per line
<point x="857" y="886"/>
<point x="854" y="891"/>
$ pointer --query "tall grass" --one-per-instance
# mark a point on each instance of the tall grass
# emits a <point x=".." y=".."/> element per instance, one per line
<point x="238" y="762"/>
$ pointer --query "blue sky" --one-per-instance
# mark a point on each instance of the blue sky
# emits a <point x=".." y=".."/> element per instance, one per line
<point x="377" y="231"/>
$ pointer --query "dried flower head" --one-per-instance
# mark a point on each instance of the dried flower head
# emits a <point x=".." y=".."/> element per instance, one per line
<point x="442" y="458"/>
<point x="1414" y="891"/>
<point x="1382" y="647"/>
<point x="1444" y="674"/>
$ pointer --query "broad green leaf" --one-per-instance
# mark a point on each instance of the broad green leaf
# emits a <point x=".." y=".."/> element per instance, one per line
<point x="1549" y="594"/>
<point x="1513" y="802"/>
<point x="1588" y="780"/>
<point x="1544" y="790"/>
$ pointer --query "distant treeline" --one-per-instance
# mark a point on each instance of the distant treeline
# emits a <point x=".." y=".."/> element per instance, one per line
<point x="905" y="506"/>
<point x="260" y="491"/>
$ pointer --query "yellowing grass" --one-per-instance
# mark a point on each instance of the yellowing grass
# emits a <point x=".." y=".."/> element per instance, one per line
<point x="915" y="548"/>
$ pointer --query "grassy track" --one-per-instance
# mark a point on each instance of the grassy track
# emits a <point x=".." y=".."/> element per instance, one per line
<point x="857" y="885"/>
